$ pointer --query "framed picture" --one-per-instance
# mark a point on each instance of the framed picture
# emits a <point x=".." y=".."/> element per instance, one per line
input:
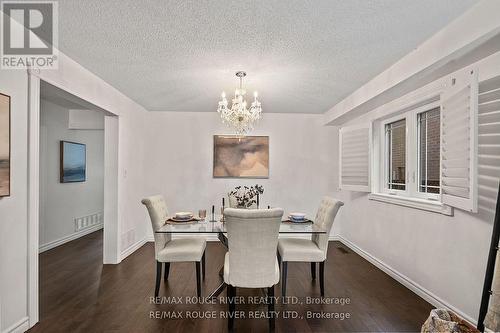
<point x="73" y="162"/>
<point x="4" y="145"/>
<point x="241" y="157"/>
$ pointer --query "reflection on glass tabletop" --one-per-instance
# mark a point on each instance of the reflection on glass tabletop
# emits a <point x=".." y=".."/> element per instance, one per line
<point x="207" y="227"/>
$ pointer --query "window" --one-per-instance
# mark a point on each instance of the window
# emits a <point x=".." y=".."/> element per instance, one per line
<point x="396" y="154"/>
<point x="410" y="155"/>
<point x="429" y="136"/>
<point x="424" y="148"/>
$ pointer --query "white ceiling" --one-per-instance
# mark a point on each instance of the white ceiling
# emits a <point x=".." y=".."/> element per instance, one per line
<point x="302" y="56"/>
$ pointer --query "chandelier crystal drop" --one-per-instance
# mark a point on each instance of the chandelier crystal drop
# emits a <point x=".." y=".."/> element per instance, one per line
<point x="239" y="116"/>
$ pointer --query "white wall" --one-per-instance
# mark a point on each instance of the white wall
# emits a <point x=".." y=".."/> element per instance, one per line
<point x="179" y="160"/>
<point x="444" y="256"/>
<point x="61" y="203"/>
<point x="13" y="210"/>
<point x="86" y="119"/>
<point x="13" y="213"/>
<point x="78" y="81"/>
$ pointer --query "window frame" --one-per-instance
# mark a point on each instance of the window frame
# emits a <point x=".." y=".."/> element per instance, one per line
<point x="411" y="159"/>
<point x="385" y="156"/>
<point x="418" y="193"/>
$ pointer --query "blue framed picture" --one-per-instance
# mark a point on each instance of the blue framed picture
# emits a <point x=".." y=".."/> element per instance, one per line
<point x="73" y="162"/>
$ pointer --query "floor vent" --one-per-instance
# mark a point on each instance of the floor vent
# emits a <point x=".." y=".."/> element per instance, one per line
<point x="89" y="221"/>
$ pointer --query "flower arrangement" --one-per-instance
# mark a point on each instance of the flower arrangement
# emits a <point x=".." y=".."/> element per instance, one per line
<point x="247" y="196"/>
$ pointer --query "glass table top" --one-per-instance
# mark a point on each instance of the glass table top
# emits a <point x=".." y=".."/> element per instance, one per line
<point x="208" y="227"/>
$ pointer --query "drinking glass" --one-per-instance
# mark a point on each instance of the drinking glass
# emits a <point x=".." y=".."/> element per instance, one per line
<point x="222" y="214"/>
<point x="202" y="213"/>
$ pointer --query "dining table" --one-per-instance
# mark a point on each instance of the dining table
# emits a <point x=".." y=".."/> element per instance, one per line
<point x="216" y="225"/>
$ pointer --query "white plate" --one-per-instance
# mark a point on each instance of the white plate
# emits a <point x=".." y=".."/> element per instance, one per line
<point x="183" y="215"/>
<point x="182" y="218"/>
<point x="298" y="216"/>
<point x="298" y="221"/>
<point x="189" y="220"/>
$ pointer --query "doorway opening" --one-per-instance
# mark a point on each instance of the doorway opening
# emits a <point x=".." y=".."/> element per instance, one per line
<point x="71" y="168"/>
<point x="73" y="178"/>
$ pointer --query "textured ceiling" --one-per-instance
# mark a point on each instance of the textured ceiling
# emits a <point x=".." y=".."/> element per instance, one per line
<point x="302" y="56"/>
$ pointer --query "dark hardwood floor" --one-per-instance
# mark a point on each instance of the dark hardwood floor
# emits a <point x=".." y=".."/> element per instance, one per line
<point x="79" y="294"/>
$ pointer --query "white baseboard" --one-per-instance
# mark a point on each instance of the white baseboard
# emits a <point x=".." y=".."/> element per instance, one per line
<point x="132" y="248"/>
<point x="18" y="327"/>
<point x="68" y="238"/>
<point x="404" y="280"/>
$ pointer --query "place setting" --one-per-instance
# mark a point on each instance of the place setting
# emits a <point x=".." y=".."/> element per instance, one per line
<point x="184" y="218"/>
<point x="298" y="218"/>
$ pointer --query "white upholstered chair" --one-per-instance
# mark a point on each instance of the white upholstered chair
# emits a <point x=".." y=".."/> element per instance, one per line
<point x="251" y="260"/>
<point x="169" y="250"/>
<point x="310" y="250"/>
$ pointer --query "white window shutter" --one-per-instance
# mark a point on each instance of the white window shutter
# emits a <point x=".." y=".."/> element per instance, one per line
<point x="355" y="157"/>
<point x="488" y="164"/>
<point x="459" y="103"/>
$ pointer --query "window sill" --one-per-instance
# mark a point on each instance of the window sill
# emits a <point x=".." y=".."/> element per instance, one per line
<point x="423" y="204"/>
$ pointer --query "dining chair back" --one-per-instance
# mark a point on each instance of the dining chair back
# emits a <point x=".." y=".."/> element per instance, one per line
<point x="169" y="250"/>
<point x="325" y="216"/>
<point x="158" y="213"/>
<point x="253" y="240"/>
<point x="314" y="250"/>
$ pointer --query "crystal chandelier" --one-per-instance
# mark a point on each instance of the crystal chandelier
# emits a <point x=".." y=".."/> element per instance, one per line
<point x="238" y="116"/>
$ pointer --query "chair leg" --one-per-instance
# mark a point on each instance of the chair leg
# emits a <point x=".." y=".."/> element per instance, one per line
<point x="284" y="267"/>
<point x="313" y="270"/>
<point x="167" y="270"/>
<point x="158" y="277"/>
<point x="270" y="308"/>
<point x="203" y="265"/>
<point x="231" y="294"/>
<point x="322" y="278"/>
<point x="221" y="272"/>
<point x="198" y="279"/>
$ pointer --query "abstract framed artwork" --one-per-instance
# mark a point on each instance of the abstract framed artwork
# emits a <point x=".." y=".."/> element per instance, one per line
<point x="4" y="145"/>
<point x="73" y="163"/>
<point x="241" y="157"/>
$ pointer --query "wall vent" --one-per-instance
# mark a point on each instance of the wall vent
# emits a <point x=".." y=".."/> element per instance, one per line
<point x="128" y="239"/>
<point x="89" y="221"/>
